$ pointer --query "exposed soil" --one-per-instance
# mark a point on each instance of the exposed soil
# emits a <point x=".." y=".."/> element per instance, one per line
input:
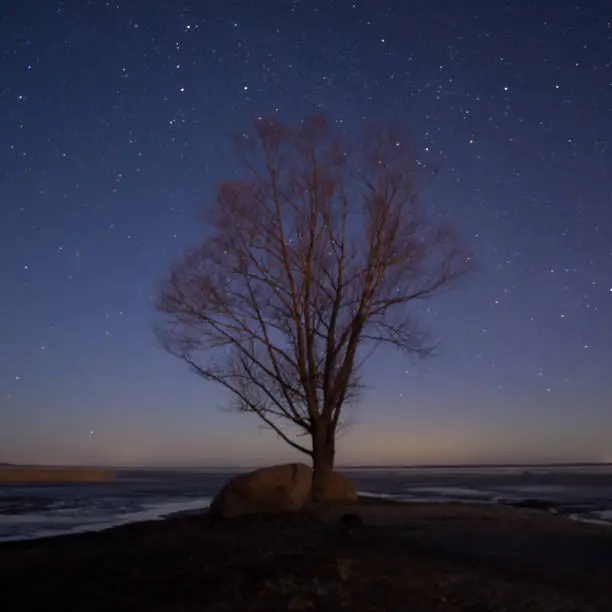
<point x="437" y="557"/>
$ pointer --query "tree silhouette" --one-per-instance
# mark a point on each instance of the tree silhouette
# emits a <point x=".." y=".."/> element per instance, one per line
<point x="308" y="263"/>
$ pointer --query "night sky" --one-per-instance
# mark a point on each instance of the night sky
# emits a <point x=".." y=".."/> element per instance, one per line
<point x="115" y="126"/>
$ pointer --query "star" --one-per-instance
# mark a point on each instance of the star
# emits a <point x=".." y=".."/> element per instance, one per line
<point x="119" y="124"/>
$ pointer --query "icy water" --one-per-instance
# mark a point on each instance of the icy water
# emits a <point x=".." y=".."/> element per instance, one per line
<point x="33" y="511"/>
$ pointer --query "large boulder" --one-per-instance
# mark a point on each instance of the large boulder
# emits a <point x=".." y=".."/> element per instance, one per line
<point x="336" y="488"/>
<point x="278" y="488"/>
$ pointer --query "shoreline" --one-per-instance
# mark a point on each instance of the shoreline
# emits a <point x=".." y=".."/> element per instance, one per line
<point x="141" y="516"/>
<point x="366" y="499"/>
<point x="375" y="511"/>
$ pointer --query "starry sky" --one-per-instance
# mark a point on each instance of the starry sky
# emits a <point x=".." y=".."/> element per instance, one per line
<point x="116" y="120"/>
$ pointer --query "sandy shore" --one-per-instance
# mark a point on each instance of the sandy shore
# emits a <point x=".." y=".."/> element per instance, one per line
<point x="35" y="474"/>
<point x="422" y="557"/>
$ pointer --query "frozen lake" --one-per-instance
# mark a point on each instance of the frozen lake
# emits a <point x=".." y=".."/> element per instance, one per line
<point x="39" y="510"/>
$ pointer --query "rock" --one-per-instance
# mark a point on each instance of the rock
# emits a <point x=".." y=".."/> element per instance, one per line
<point x="337" y="488"/>
<point x="278" y="488"/>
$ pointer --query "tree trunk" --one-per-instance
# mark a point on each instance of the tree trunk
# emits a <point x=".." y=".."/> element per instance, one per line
<point x="323" y="456"/>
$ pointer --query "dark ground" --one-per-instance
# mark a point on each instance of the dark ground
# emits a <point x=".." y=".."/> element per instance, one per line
<point x="443" y="558"/>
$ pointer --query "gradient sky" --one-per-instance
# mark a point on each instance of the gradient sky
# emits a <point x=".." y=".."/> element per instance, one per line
<point x="115" y="125"/>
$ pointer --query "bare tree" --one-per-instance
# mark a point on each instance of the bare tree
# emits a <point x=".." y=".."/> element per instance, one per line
<point x="308" y="263"/>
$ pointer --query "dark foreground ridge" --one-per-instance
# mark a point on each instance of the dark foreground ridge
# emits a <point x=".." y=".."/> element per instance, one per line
<point x="420" y="557"/>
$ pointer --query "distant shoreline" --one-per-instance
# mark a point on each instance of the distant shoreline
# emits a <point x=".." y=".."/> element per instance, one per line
<point x="364" y="466"/>
<point x="476" y="466"/>
<point x="16" y="474"/>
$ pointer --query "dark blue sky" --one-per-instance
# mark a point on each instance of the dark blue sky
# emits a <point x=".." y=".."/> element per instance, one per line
<point x="115" y="125"/>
